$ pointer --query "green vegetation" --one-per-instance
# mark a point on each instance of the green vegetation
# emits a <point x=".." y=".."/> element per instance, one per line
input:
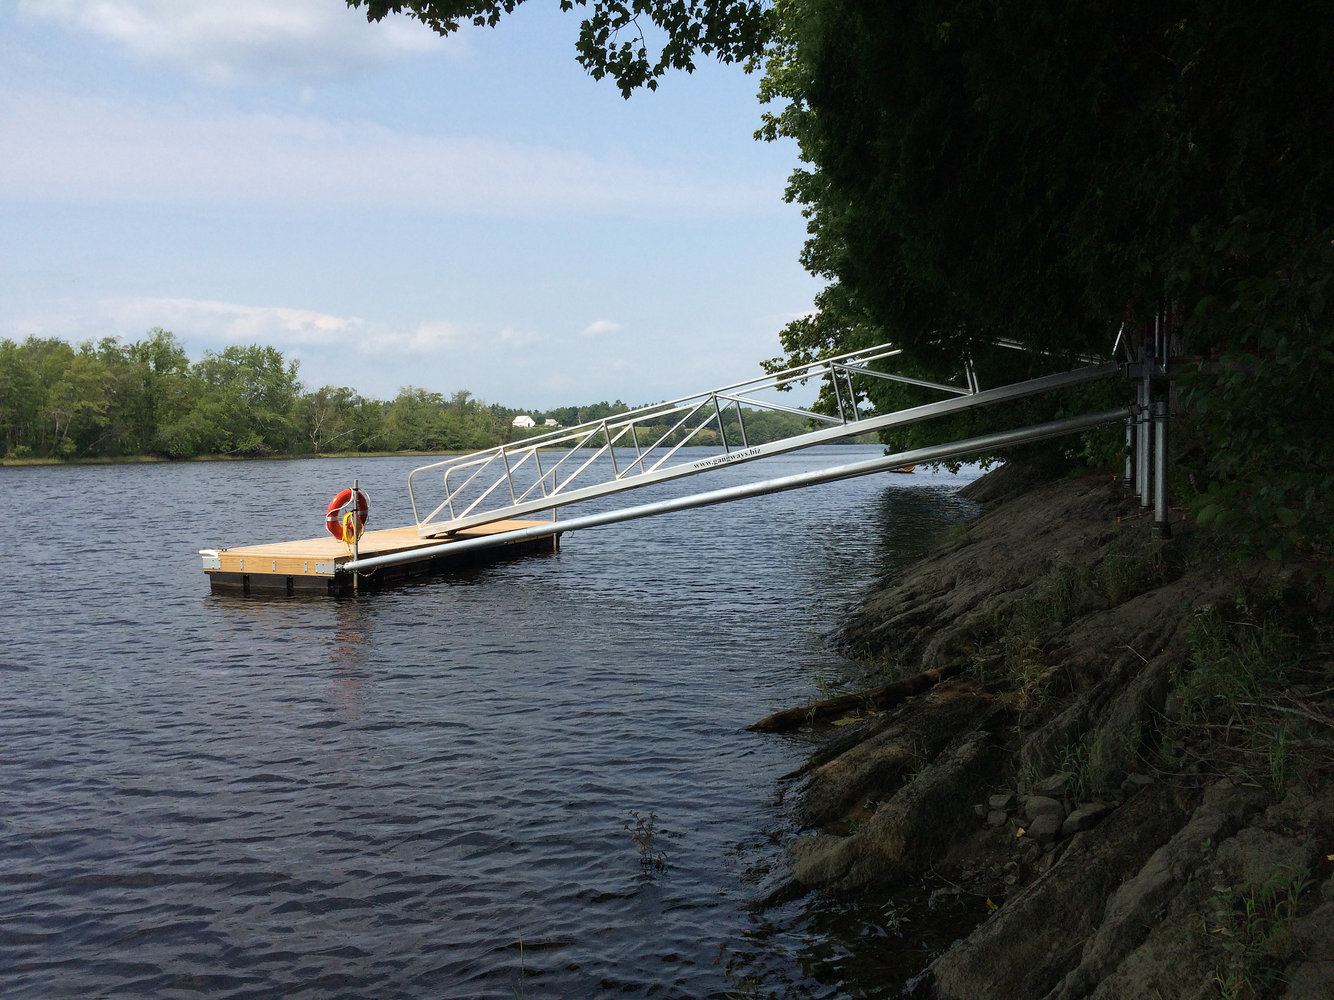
<point x="1056" y="177"/>
<point x="644" y="832"/>
<point x="109" y="400"/>
<point x="611" y="40"/>
<point x="1244" y="702"/>
<point x="1253" y="928"/>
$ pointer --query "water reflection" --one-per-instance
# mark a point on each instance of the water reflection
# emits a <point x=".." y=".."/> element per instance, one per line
<point x="381" y="795"/>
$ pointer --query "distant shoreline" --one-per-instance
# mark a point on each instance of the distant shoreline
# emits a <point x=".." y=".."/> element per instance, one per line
<point x="159" y="460"/>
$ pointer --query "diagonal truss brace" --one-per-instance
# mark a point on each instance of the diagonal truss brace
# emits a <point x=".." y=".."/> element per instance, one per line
<point x="638" y="448"/>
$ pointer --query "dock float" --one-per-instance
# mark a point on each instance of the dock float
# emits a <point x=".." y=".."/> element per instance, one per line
<point x="319" y="565"/>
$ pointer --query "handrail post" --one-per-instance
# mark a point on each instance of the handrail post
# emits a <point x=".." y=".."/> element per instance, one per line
<point x="1161" y="527"/>
<point x="1143" y="444"/>
<point x="1128" y="479"/>
<point x="356" y="532"/>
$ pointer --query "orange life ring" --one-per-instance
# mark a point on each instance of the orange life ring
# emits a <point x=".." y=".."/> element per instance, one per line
<point x="342" y="505"/>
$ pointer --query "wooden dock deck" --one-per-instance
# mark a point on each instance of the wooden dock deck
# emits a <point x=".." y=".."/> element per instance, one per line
<point x="312" y="565"/>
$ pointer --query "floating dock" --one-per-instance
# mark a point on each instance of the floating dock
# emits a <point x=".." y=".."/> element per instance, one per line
<point x="317" y="565"/>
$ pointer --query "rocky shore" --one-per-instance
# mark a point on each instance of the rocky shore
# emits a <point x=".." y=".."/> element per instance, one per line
<point x="1124" y="744"/>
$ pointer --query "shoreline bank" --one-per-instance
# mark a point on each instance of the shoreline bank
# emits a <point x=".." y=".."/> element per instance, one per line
<point x="1123" y="745"/>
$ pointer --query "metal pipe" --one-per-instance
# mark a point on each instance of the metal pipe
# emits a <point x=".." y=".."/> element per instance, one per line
<point x="935" y="453"/>
<point x="1128" y="480"/>
<point x="722" y="428"/>
<point x="900" y="418"/>
<point x="1143" y="442"/>
<point x="1161" y="526"/>
<point x="908" y="380"/>
<point x="356" y="530"/>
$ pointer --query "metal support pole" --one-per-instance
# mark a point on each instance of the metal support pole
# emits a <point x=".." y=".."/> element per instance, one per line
<point x="1161" y="527"/>
<point x="1143" y="445"/>
<point x="356" y="531"/>
<point x="940" y="452"/>
<point x="1128" y="479"/>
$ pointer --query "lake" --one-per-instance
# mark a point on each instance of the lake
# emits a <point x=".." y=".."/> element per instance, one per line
<point x="526" y="779"/>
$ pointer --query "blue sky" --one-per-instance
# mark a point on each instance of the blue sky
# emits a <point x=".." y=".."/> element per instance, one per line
<point x="386" y="206"/>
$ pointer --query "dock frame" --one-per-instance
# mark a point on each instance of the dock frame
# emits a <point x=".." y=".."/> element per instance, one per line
<point x="322" y="565"/>
<point x="481" y="499"/>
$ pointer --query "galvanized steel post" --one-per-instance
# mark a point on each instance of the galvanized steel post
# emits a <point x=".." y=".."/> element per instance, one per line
<point x="1145" y="476"/>
<point x="1128" y="479"/>
<point x="1161" y="527"/>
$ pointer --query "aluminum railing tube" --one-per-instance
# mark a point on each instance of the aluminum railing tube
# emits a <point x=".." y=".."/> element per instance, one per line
<point x="1160" y="418"/>
<point x="935" y="453"/>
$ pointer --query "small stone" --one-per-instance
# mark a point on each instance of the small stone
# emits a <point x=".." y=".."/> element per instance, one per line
<point x="1045" y="828"/>
<point x="1037" y="806"/>
<point x="1133" y="783"/>
<point x="997" y="817"/>
<point x="1086" y="816"/>
<point x="1004" y="801"/>
<point x="1053" y="786"/>
<point x="979" y="810"/>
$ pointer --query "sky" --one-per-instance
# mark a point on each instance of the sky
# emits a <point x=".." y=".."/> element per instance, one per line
<point x="387" y="207"/>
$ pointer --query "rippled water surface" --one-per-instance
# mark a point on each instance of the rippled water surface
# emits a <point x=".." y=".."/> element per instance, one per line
<point x="427" y="791"/>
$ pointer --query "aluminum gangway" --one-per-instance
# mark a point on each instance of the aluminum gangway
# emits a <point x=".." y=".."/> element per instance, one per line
<point x="643" y="446"/>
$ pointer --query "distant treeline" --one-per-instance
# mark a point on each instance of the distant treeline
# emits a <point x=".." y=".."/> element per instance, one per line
<point x="108" y="399"/>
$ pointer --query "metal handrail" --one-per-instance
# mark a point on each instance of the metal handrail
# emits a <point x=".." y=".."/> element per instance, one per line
<point x="934" y="453"/>
<point x="599" y="473"/>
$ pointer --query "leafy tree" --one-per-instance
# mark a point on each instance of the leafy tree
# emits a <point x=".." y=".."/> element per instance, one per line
<point x="20" y="399"/>
<point x="339" y="419"/>
<point x="243" y="402"/>
<point x="1057" y="173"/>
<point x="412" y="421"/>
<point x="613" y="38"/>
<point x="158" y="395"/>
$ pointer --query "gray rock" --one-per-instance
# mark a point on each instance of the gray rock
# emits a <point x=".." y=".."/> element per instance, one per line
<point x="997" y="817"/>
<point x="1133" y="783"/>
<point x="979" y="810"/>
<point x="1004" y="801"/>
<point x="1053" y="786"/>
<point x="1029" y="851"/>
<point x="820" y="858"/>
<point x="1172" y="705"/>
<point x="1045" y="828"/>
<point x="1084" y="817"/>
<point x="1025" y="947"/>
<point x="1036" y="806"/>
<point x="1309" y="977"/>
<point x="1137" y="904"/>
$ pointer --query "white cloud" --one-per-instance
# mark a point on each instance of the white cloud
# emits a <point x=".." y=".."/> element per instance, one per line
<point x="72" y="149"/>
<point x="232" y="323"/>
<point x="210" y="322"/>
<point x="601" y="328"/>
<point x="228" y="40"/>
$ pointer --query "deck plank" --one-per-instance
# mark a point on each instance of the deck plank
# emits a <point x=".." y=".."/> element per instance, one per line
<point x="318" y="557"/>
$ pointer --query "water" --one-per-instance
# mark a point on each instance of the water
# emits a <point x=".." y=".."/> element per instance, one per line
<point x="428" y="791"/>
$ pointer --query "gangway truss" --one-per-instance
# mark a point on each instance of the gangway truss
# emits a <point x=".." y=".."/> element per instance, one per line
<point x="643" y="446"/>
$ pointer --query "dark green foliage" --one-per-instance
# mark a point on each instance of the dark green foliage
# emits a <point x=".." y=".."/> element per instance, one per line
<point x="106" y="398"/>
<point x="417" y="420"/>
<point x="113" y="400"/>
<point x="612" y="38"/>
<point x="1057" y="172"/>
